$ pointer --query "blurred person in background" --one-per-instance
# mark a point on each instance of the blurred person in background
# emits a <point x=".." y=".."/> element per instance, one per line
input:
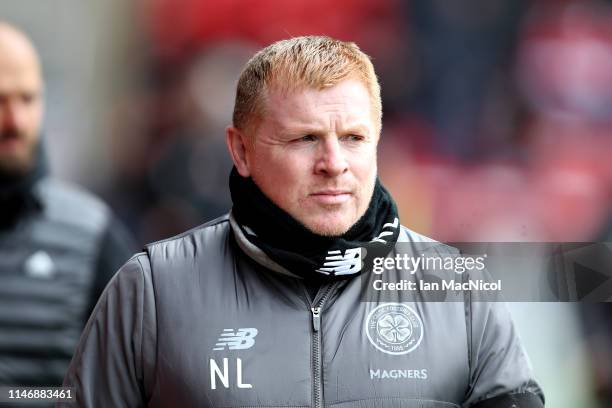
<point x="255" y="309"/>
<point x="59" y="245"/>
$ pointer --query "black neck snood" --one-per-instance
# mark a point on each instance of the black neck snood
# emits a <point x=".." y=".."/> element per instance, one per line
<point x="304" y="253"/>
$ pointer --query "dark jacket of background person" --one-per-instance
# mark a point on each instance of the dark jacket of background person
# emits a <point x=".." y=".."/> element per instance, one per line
<point x="59" y="245"/>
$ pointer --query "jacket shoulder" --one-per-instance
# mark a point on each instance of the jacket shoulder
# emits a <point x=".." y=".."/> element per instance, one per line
<point x="69" y="204"/>
<point x="209" y="235"/>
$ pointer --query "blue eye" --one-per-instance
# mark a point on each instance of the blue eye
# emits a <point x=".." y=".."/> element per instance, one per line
<point x="307" y="138"/>
<point x="353" y="138"/>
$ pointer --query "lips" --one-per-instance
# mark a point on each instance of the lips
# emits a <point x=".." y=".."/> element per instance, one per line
<point x="9" y="141"/>
<point x="331" y="196"/>
<point x="332" y="192"/>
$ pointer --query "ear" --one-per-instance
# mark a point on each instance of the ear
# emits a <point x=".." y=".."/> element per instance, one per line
<point x="236" y="144"/>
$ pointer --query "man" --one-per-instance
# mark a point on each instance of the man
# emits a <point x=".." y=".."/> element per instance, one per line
<point x="262" y="307"/>
<point x="59" y="246"/>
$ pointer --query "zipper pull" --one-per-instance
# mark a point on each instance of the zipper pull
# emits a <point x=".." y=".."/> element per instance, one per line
<point x="316" y="318"/>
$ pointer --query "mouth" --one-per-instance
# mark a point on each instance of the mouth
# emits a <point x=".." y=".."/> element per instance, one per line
<point x="9" y="141"/>
<point x="331" y="196"/>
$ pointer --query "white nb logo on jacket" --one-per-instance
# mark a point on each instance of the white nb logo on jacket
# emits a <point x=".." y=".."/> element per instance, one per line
<point x="339" y="264"/>
<point x="241" y="339"/>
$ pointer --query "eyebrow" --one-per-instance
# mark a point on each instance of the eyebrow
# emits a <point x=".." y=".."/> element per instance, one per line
<point x="357" y="128"/>
<point x="309" y="129"/>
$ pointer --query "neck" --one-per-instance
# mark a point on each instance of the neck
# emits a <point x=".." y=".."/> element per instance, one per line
<point x="291" y="245"/>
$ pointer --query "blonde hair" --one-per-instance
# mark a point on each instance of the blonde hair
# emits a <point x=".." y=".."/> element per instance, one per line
<point x="301" y="62"/>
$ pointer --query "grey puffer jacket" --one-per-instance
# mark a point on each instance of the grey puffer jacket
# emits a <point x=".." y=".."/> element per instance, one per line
<point x="204" y="320"/>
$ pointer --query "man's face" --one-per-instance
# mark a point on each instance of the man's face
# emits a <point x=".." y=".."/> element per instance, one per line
<point x="20" y="107"/>
<point x="314" y="155"/>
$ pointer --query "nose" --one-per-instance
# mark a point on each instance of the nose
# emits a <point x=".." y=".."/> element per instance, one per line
<point x="10" y="116"/>
<point x="332" y="160"/>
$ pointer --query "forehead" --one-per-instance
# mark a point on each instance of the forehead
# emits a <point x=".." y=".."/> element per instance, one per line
<point x="348" y="100"/>
<point x="19" y="69"/>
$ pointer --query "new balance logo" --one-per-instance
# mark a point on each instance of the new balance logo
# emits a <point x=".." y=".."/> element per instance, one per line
<point x="338" y="264"/>
<point x="391" y="225"/>
<point x="241" y="339"/>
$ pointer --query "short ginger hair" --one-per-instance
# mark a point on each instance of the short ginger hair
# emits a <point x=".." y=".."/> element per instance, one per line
<point x="302" y="62"/>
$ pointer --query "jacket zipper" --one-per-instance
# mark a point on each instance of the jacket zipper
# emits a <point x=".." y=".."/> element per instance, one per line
<point x="317" y="368"/>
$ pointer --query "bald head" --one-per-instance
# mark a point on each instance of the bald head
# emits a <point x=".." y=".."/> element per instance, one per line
<point x="16" y="47"/>
<point x="21" y="107"/>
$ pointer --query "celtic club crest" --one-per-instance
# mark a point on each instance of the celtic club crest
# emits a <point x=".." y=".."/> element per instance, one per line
<point x="394" y="328"/>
